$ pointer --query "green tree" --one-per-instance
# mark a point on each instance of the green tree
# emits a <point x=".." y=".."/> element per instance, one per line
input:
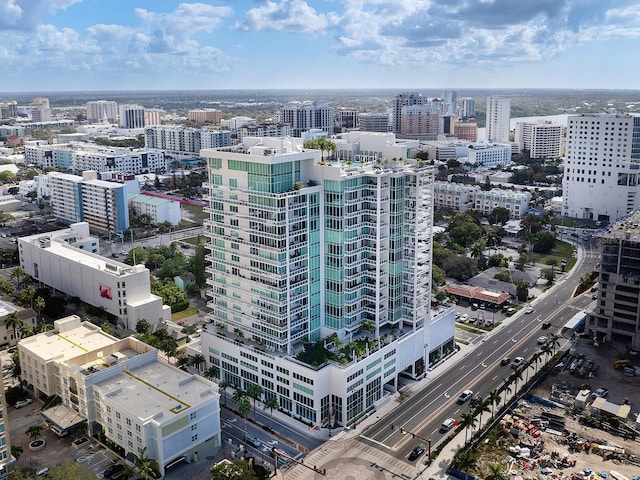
<point x="7" y="176"/>
<point x="544" y="242"/>
<point x="211" y="373"/>
<point x="468" y="421"/>
<point x="39" y="305"/>
<point x="254" y="392"/>
<point x="183" y="363"/>
<point x="499" y="216"/>
<point x="34" y="432"/>
<point x="465" y="461"/>
<point x="244" y="409"/>
<point x="197" y="361"/>
<point x="107" y="328"/>
<point x="271" y="403"/>
<point x="197" y="264"/>
<point x="14" y="322"/>
<point x="18" y="274"/>
<point x="494" y="399"/>
<point x="496" y="473"/>
<point x="26" y="296"/>
<point x="238" y="394"/>
<point x="235" y="470"/>
<point x="143" y="326"/>
<point x="223" y="385"/>
<point x="144" y="464"/>
<point x="168" y="291"/>
<point x="16" y="451"/>
<point x="479" y="408"/>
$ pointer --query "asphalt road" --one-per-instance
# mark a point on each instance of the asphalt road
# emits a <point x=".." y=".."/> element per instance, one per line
<point x="480" y="370"/>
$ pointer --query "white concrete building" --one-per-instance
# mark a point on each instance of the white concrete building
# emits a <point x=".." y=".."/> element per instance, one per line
<point x="302" y="249"/>
<point x="102" y="111"/>
<point x="457" y="196"/>
<point x="489" y="155"/>
<point x="467" y="107"/>
<point x="122" y="389"/>
<point x="517" y="202"/>
<point x="121" y="290"/>
<point x="131" y="117"/>
<point x="264" y="129"/>
<point x="179" y="141"/>
<point x="159" y="209"/>
<point x="541" y="139"/>
<point x="601" y="180"/>
<point x="305" y="116"/>
<point x="65" y="195"/>
<point x="498" y="119"/>
<point x="382" y="148"/>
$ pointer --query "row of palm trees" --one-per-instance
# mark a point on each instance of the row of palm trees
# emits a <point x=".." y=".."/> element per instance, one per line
<point x="27" y="297"/>
<point x="466" y="460"/>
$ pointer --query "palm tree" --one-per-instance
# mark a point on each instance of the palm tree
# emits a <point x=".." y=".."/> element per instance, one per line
<point x="554" y="341"/>
<point x="238" y="394"/>
<point x="223" y="385"/>
<point x="468" y="421"/>
<point x="506" y="387"/>
<point x="197" y="360"/>
<point x="183" y="363"/>
<point x="494" y="399"/>
<point x="25" y="330"/>
<point x="18" y="274"/>
<point x="14" y="322"/>
<point x="465" y="461"/>
<point x="270" y="403"/>
<point x="480" y="407"/>
<point x="144" y="463"/>
<point x="244" y="409"/>
<point x="211" y="372"/>
<point x="39" y="305"/>
<point x="547" y="350"/>
<point x="34" y="432"/>
<point x="517" y="375"/>
<point x="496" y="473"/>
<point x="254" y="392"/>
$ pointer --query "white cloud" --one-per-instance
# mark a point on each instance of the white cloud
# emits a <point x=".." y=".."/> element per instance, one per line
<point x="10" y="13"/>
<point x="288" y="15"/>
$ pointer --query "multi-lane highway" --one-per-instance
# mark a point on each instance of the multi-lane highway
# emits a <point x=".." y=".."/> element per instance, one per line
<point x="480" y="369"/>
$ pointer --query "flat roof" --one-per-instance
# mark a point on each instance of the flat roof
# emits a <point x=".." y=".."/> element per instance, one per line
<point x="142" y="198"/>
<point x="63" y="416"/>
<point x="575" y="321"/>
<point x="6" y="308"/>
<point x="69" y="344"/>
<point x="157" y="388"/>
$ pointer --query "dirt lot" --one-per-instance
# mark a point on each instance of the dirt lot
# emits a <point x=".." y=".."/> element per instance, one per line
<point x="585" y="448"/>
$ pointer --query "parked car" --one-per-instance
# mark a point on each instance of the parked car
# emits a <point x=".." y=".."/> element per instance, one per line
<point x="464" y="317"/>
<point x="517" y="362"/>
<point x="23" y="403"/>
<point x="113" y="470"/>
<point x="600" y="393"/>
<point x="416" y="453"/>
<point x="510" y="311"/>
<point x="464" y="396"/>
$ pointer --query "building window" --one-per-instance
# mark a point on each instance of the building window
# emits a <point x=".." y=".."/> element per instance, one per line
<point x="194" y="437"/>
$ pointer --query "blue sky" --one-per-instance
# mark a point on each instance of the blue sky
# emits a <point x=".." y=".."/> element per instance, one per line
<point x="57" y="45"/>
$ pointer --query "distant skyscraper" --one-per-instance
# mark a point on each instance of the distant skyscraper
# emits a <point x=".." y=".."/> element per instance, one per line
<point x="131" y="116"/>
<point x="347" y="118"/>
<point x="403" y="100"/>
<point x="450" y="98"/>
<point x="467" y="107"/>
<point x="40" y="110"/>
<point x="466" y="130"/>
<point x="540" y="139"/>
<point x="153" y="116"/>
<point x="305" y="116"/>
<point x="498" y="118"/>
<point x="102" y="111"/>
<point x="374" y="122"/>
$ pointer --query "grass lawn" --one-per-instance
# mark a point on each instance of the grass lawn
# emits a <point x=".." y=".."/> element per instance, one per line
<point x="184" y="314"/>
<point x="562" y="251"/>
<point x="194" y="213"/>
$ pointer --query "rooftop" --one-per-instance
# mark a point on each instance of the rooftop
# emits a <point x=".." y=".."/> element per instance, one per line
<point x="157" y="389"/>
<point x="626" y="227"/>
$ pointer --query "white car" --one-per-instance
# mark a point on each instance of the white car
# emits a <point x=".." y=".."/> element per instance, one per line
<point x="23" y="403"/>
<point x="463" y="318"/>
<point x="529" y="310"/>
<point x="464" y="396"/>
<point x="542" y="340"/>
<point x="517" y="362"/>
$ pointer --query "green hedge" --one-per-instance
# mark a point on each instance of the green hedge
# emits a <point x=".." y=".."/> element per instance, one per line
<point x="180" y="306"/>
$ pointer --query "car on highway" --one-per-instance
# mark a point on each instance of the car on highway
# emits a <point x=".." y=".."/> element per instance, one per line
<point x="464" y="317"/>
<point x="464" y="396"/>
<point x="474" y="399"/>
<point x="416" y="453"/>
<point x="505" y="361"/>
<point x="529" y="310"/>
<point x="600" y="393"/>
<point x="517" y="362"/>
<point x="447" y="425"/>
<point x="542" y="340"/>
<point x="546" y="325"/>
<point x="23" y="403"/>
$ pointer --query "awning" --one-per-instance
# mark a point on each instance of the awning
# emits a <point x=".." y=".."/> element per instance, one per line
<point x="62" y="416"/>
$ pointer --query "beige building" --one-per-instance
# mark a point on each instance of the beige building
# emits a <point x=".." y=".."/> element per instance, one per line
<point x="207" y="115"/>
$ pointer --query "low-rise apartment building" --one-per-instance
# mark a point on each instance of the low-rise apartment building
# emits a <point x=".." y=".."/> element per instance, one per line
<point x="121" y="389"/>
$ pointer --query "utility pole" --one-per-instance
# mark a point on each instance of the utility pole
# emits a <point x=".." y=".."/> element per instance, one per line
<point x="403" y="431"/>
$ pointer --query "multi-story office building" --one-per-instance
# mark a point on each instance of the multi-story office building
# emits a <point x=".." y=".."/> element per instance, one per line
<point x="159" y="209"/>
<point x="184" y="141"/>
<point x="8" y="110"/>
<point x="79" y="157"/>
<point x="264" y="129"/>
<point x="306" y="116"/>
<point x="121" y="388"/>
<point x="40" y="110"/>
<point x="102" y="111"/>
<point x="131" y="116"/>
<point x="617" y="311"/>
<point x="374" y="122"/>
<point x="601" y="180"/>
<point x="305" y="250"/>
<point x="498" y="118"/>
<point x="57" y="260"/>
<point x="153" y="116"/>
<point x="450" y="100"/>
<point x="347" y="119"/>
<point x="65" y="196"/>
<point x="422" y="122"/>
<point x="467" y="107"/>
<point x="541" y="139"/>
<point x="489" y="155"/>
<point x="466" y="130"/>
<point x="206" y="115"/>
<point x="399" y="102"/>
<point x="6" y="459"/>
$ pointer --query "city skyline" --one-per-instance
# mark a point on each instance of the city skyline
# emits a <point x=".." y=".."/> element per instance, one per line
<point x="61" y="45"/>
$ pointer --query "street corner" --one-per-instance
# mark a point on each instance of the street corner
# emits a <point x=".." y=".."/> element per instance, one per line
<point x="351" y="469"/>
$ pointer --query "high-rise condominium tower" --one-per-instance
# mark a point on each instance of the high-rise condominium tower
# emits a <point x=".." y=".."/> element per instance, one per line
<point x="498" y="118"/>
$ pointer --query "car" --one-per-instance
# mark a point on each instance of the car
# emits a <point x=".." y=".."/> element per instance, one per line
<point x="546" y="325"/>
<point x="23" y="403"/>
<point x="594" y="297"/>
<point x="447" y="425"/>
<point x="473" y="319"/>
<point x="474" y="306"/>
<point x="474" y="399"/>
<point x="529" y="310"/>
<point x="542" y="340"/>
<point x="114" y="255"/>
<point x="464" y="317"/>
<point x="464" y="396"/>
<point x="416" y="453"/>
<point x="505" y="361"/>
<point x="186" y="246"/>
<point x="113" y="470"/>
<point x="510" y="311"/>
<point x="43" y="472"/>
<point x="457" y="315"/>
<point x="124" y="252"/>
<point x="600" y="393"/>
<point x="517" y="362"/>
